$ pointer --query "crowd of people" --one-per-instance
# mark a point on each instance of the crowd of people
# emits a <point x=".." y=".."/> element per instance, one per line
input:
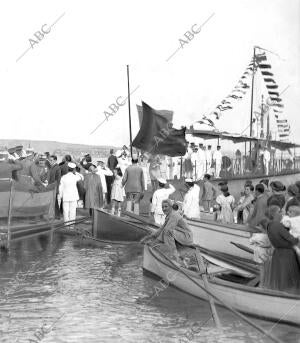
<point x="270" y="209"/>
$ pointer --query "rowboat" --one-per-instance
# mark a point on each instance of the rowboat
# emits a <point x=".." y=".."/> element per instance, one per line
<point x="212" y="235"/>
<point x="109" y="227"/>
<point x="23" y="201"/>
<point x="267" y="304"/>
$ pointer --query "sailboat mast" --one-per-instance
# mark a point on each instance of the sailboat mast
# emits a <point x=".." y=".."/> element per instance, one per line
<point x="129" y="110"/>
<point x="252" y="93"/>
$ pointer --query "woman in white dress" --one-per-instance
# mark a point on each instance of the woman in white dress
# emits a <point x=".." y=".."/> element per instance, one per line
<point x="226" y="204"/>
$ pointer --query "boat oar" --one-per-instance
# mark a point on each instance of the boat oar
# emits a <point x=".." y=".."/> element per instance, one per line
<point x="202" y="269"/>
<point x="233" y="310"/>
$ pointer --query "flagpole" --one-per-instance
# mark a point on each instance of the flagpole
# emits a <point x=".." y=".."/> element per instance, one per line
<point x="129" y="111"/>
<point x="252" y="93"/>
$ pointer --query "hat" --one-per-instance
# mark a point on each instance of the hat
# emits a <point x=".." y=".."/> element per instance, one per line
<point x="11" y="150"/>
<point x="162" y="180"/>
<point x="72" y="165"/>
<point x="293" y="189"/>
<point x="277" y="186"/>
<point x="134" y="156"/>
<point x="19" y="147"/>
<point x="189" y="180"/>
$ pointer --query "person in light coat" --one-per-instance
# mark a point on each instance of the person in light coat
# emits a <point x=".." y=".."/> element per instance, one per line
<point x="191" y="202"/>
<point x="162" y="193"/>
<point x="68" y="193"/>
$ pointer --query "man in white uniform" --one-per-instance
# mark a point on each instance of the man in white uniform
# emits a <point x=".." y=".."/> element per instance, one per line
<point x="194" y="159"/>
<point x="191" y="201"/>
<point x="217" y="157"/>
<point x="266" y="159"/>
<point x="162" y="193"/>
<point x="201" y="162"/>
<point x="102" y="172"/>
<point x="68" y="193"/>
<point x="208" y="156"/>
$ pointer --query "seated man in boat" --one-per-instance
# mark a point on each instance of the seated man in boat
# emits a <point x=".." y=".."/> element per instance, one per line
<point x="8" y="166"/>
<point x="175" y="230"/>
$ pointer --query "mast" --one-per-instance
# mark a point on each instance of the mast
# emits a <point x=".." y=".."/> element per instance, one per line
<point x="252" y="93"/>
<point x="129" y="111"/>
<point x="262" y="118"/>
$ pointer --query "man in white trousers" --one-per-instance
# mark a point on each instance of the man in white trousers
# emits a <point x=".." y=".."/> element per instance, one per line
<point x="68" y="193"/>
<point x="162" y="193"/>
<point x="217" y="157"/>
<point x="201" y="162"/>
<point x="266" y="159"/>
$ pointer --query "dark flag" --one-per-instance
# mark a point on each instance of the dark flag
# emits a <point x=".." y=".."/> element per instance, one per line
<point x="157" y="135"/>
<point x="165" y="113"/>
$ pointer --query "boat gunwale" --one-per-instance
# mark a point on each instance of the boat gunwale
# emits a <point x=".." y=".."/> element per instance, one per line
<point x="229" y="284"/>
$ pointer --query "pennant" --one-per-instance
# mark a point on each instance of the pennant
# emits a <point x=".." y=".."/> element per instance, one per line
<point x="272" y="86"/>
<point x="264" y="66"/>
<point x="269" y="80"/>
<point x="266" y="73"/>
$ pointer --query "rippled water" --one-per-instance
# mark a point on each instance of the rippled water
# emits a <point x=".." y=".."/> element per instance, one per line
<point x="77" y="293"/>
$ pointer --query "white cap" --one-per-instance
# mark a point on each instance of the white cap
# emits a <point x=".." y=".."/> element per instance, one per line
<point x="72" y="165"/>
<point x="161" y="180"/>
<point x="189" y="180"/>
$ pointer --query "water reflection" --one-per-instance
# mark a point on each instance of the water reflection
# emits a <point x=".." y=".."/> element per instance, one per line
<point x="65" y="291"/>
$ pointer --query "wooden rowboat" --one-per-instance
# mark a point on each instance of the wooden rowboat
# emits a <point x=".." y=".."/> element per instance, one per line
<point x="109" y="227"/>
<point x="207" y="233"/>
<point x="267" y="304"/>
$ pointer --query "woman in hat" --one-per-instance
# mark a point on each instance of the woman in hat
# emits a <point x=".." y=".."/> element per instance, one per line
<point x="291" y="198"/>
<point x="285" y="269"/>
<point x="278" y="194"/>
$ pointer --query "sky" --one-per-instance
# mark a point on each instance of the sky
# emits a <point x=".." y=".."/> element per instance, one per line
<point x="60" y="88"/>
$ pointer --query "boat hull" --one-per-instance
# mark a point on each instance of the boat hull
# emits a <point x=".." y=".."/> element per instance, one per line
<point x="218" y="237"/>
<point x="26" y="203"/>
<point x="211" y="235"/>
<point x="109" y="227"/>
<point x="267" y="304"/>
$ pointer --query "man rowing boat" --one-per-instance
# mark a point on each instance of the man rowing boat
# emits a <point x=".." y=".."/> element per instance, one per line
<point x="175" y="230"/>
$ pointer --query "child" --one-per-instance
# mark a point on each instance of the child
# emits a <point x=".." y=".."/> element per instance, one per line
<point x="292" y="221"/>
<point x="209" y="193"/>
<point x="226" y="203"/>
<point x="117" y="192"/>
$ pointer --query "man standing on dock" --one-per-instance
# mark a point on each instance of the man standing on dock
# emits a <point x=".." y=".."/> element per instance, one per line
<point x="133" y="180"/>
<point x="266" y="160"/>
<point x="217" y="157"/>
<point x="55" y="176"/>
<point x="159" y="195"/>
<point x="68" y="193"/>
<point x="8" y="166"/>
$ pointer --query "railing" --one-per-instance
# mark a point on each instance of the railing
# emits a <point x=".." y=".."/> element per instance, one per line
<point x="234" y="167"/>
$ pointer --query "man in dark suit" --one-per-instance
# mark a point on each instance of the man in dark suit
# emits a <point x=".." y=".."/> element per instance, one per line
<point x="55" y="176"/>
<point x="112" y="162"/>
<point x="134" y="183"/>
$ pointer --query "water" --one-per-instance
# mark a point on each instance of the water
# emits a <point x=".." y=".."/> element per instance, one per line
<point x="67" y="292"/>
